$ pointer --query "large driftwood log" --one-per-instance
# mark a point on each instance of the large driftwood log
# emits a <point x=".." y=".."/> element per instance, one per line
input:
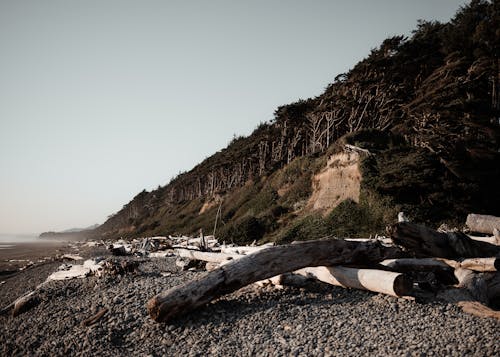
<point x="206" y="256"/>
<point x="474" y="283"/>
<point x="415" y="264"/>
<point x="379" y="281"/>
<point x="481" y="264"/>
<point x="427" y="242"/>
<point x="477" y="309"/>
<point x="494" y="239"/>
<point x="482" y="223"/>
<point x="245" y="249"/>
<point x="430" y="264"/>
<point x="262" y="265"/>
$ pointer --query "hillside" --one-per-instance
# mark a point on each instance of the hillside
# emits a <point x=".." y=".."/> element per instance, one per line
<point x="421" y="120"/>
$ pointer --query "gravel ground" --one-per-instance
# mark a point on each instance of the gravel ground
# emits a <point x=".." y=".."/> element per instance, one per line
<point x="317" y="320"/>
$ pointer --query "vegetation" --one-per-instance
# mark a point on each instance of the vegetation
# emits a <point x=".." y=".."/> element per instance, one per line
<point x="428" y="109"/>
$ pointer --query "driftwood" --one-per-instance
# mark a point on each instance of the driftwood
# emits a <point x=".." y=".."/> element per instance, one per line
<point x="494" y="239"/>
<point x="477" y="309"/>
<point x="24" y="302"/>
<point x="71" y="257"/>
<point x="385" y="282"/>
<point x="415" y="264"/>
<point x="262" y="265"/>
<point x="427" y="242"/>
<point x="482" y="223"/>
<point x="481" y="264"/>
<point x="93" y="319"/>
<point x="430" y="264"/>
<point x="474" y="286"/>
<point x="206" y="256"/>
<point x="474" y="283"/>
<point x="31" y="299"/>
<point x="245" y="249"/>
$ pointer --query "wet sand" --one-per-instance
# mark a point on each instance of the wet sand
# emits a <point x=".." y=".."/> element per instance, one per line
<point x="15" y="255"/>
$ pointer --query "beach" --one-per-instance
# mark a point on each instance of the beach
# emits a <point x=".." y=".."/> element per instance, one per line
<point x="15" y="255"/>
<point x="264" y="321"/>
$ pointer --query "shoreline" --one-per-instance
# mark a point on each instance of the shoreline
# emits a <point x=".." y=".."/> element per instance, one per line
<point x="16" y="255"/>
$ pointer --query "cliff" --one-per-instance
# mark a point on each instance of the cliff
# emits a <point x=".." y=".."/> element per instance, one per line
<point x="425" y="109"/>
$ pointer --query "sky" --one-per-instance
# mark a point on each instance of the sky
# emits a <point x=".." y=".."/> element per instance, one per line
<point x="102" y="99"/>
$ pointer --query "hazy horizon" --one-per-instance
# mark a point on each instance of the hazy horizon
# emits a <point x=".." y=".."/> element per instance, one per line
<point x="98" y="99"/>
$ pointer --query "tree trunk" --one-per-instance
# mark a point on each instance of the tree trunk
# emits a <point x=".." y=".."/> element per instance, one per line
<point x="431" y="264"/>
<point x="481" y="264"/>
<point x="482" y="223"/>
<point x="427" y="242"/>
<point x="379" y="281"/>
<point x="474" y="283"/>
<point x="206" y="256"/>
<point x="477" y="309"/>
<point x="262" y="265"/>
<point x="416" y="264"/>
<point x="495" y="239"/>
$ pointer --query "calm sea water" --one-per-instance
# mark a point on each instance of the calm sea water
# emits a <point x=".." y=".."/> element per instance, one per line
<point x="8" y="240"/>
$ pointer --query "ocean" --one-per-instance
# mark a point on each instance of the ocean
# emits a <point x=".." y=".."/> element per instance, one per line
<point x="9" y="240"/>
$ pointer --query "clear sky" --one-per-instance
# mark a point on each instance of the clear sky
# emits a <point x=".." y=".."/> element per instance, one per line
<point x="102" y="99"/>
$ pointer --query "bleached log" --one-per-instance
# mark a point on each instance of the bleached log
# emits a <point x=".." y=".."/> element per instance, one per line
<point x="379" y="281"/>
<point x="482" y="223"/>
<point x="262" y="265"/>
<point x="415" y="264"/>
<point x="24" y="303"/>
<point x="477" y="309"/>
<point x="243" y="250"/>
<point x="428" y="242"/>
<point x="427" y="264"/>
<point x="380" y="239"/>
<point x="206" y="256"/>
<point x="190" y="247"/>
<point x="162" y="254"/>
<point x="491" y="240"/>
<point x="481" y="264"/>
<point x="474" y="283"/>
<point x="71" y="257"/>
<point x="77" y="271"/>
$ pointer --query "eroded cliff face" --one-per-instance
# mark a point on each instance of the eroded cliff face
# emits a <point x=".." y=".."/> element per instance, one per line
<point x="338" y="181"/>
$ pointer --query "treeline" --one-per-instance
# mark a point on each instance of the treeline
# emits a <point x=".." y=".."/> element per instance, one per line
<point x="438" y="90"/>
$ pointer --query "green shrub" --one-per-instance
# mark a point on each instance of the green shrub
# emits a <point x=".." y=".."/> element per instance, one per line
<point x="306" y="228"/>
<point x="368" y="217"/>
<point x="243" y="231"/>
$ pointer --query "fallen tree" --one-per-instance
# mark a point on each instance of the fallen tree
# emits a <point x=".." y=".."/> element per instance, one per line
<point x="428" y="264"/>
<point x="206" y="256"/>
<point x="379" y="281"/>
<point x="262" y="265"/>
<point x="427" y="242"/>
<point x="482" y="223"/>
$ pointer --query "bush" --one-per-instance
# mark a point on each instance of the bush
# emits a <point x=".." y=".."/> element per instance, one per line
<point x="307" y="228"/>
<point x="243" y="231"/>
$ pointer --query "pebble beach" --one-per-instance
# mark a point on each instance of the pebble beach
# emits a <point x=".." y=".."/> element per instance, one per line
<point x="318" y="319"/>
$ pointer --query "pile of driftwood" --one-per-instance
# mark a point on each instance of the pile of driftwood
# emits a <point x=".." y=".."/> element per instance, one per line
<point x="419" y="263"/>
<point x="414" y="262"/>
